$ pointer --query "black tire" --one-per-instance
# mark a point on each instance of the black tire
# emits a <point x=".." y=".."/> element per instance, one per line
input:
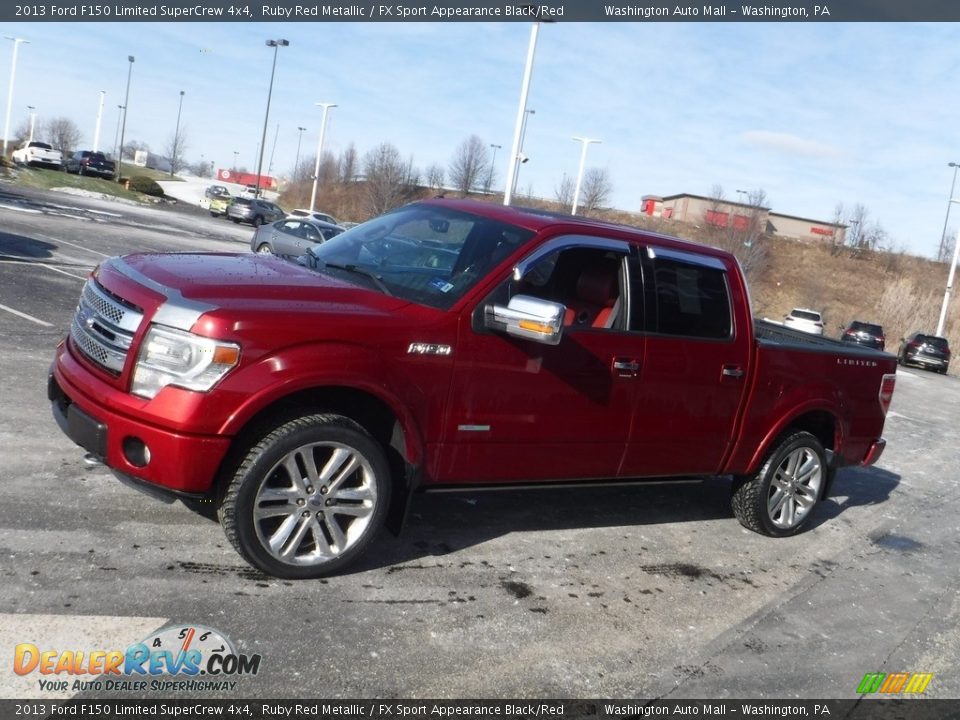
<point x="257" y="221"/>
<point x="316" y="530"/>
<point x="780" y="499"/>
<point x="236" y="220"/>
<point x="213" y="214"/>
<point x="264" y="249"/>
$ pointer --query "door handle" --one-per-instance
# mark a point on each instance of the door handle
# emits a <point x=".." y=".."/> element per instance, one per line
<point x="734" y="371"/>
<point x="626" y="367"/>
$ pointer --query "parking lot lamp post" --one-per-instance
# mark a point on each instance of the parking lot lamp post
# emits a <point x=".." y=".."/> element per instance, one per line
<point x="316" y="167"/>
<point x="235" y="154"/>
<point x="949" y="290"/>
<point x="96" y="132"/>
<point x="493" y="163"/>
<point x="943" y="235"/>
<point x="33" y="120"/>
<point x="116" y="134"/>
<point x="296" y="164"/>
<point x="123" y="127"/>
<point x="176" y="138"/>
<point x="276" y="45"/>
<point x="744" y="199"/>
<point x="521" y="115"/>
<point x="521" y="158"/>
<point x="13" y="73"/>
<point x="583" y="161"/>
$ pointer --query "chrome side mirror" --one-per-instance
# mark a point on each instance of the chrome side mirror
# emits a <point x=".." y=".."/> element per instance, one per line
<point x="529" y="318"/>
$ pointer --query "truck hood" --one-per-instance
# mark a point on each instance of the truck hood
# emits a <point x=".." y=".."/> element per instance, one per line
<point x="243" y="281"/>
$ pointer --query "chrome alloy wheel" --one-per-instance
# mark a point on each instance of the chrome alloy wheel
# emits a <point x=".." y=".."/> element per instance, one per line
<point x="315" y="503"/>
<point x="794" y="488"/>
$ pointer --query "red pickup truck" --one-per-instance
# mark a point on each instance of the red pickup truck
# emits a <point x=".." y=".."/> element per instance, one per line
<point x="452" y="344"/>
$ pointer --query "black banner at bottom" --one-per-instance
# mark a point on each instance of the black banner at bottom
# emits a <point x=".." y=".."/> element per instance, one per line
<point x="862" y="709"/>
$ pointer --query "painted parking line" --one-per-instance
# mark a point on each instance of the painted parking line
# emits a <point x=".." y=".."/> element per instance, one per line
<point x="63" y="272"/>
<point x="74" y="245"/>
<point x="24" y="315"/>
<point x="19" y="208"/>
<point x="83" y="633"/>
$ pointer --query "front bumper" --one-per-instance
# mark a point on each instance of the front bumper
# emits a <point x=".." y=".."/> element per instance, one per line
<point x="173" y="462"/>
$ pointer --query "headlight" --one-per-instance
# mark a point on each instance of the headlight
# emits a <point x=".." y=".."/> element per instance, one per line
<point x="174" y="357"/>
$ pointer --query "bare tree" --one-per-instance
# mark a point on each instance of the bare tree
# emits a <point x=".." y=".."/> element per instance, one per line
<point x="347" y="166"/>
<point x="202" y="169"/>
<point x="469" y="164"/>
<point x="596" y="189"/>
<point x="175" y="149"/>
<point x="839" y="233"/>
<point x="564" y="191"/>
<point x="21" y="134"/>
<point x="858" y="226"/>
<point x="63" y="134"/>
<point x="435" y="176"/>
<point x="130" y="149"/>
<point x="389" y="180"/>
<point x="949" y="243"/>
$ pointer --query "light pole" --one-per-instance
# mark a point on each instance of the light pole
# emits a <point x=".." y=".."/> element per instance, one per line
<point x="96" y="132"/>
<point x="521" y="158"/>
<point x="176" y="138"/>
<point x="116" y="135"/>
<point x="943" y="235"/>
<point x="123" y="128"/>
<point x="235" y="154"/>
<point x="33" y="120"/>
<point x="583" y="160"/>
<point x="276" y="45"/>
<point x="316" y="168"/>
<point x="521" y="115"/>
<point x="744" y="193"/>
<point x="493" y="162"/>
<point x="13" y="73"/>
<point x="296" y="164"/>
<point x="949" y="289"/>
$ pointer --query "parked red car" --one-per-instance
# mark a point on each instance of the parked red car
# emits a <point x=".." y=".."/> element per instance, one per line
<point x="452" y="344"/>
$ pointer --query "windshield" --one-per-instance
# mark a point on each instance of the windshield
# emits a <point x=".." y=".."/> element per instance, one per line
<point x="423" y="253"/>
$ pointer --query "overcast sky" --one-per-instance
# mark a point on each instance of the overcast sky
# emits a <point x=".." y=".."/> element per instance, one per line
<point x="813" y="114"/>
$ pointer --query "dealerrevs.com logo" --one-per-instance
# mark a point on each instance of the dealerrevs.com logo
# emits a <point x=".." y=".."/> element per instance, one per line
<point x="185" y="653"/>
<point x="898" y="683"/>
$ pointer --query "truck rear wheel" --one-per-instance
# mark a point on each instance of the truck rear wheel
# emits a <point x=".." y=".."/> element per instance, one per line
<point x="780" y="498"/>
<point x="308" y="498"/>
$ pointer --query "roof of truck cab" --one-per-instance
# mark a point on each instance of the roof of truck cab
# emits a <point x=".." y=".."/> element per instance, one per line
<point x="536" y="220"/>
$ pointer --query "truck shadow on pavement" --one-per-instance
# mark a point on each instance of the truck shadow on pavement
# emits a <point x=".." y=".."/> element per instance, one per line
<point x="440" y="524"/>
<point x="14" y="247"/>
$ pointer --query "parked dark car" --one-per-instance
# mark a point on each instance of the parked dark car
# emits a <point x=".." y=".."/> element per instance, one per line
<point x="928" y="351"/>
<point x="255" y="211"/>
<point x="292" y="236"/>
<point x="88" y="162"/>
<point x="864" y="333"/>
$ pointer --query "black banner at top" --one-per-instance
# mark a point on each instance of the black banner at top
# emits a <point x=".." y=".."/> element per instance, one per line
<point x="479" y="11"/>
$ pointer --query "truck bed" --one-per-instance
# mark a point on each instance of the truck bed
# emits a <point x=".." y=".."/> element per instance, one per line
<point x="773" y="334"/>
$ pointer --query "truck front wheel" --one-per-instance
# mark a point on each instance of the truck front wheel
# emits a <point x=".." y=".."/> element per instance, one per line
<point x="780" y="498"/>
<point x="308" y="498"/>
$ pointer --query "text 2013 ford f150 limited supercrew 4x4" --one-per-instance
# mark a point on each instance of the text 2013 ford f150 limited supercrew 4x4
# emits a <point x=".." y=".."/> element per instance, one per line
<point x="452" y="344"/>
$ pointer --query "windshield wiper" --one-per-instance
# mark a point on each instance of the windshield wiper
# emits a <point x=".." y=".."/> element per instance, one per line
<point x="360" y="271"/>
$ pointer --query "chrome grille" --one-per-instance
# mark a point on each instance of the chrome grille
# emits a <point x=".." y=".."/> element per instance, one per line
<point x="103" y="327"/>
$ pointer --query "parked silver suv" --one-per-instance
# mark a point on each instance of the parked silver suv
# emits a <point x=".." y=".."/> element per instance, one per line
<point x="255" y="211"/>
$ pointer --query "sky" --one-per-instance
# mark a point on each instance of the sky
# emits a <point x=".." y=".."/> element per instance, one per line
<point x="813" y="114"/>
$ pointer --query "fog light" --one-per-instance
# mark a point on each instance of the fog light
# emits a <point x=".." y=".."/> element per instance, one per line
<point x="136" y="452"/>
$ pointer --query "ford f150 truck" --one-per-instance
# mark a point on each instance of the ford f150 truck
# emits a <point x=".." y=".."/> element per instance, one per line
<point x="452" y="344"/>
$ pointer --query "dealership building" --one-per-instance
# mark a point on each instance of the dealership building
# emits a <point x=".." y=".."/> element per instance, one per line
<point x="700" y="210"/>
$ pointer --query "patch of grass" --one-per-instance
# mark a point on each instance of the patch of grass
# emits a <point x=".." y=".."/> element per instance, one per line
<point x="43" y="179"/>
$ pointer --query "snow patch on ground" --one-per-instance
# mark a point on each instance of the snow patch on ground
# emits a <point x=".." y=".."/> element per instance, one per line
<point x="95" y="195"/>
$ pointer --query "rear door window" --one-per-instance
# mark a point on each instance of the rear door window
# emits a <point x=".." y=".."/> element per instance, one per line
<point x="691" y="299"/>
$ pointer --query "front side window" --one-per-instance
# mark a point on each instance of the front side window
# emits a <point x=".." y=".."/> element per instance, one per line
<point x="424" y="253"/>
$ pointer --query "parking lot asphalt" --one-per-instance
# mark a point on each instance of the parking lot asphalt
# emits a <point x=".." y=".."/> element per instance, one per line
<point x="637" y="592"/>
